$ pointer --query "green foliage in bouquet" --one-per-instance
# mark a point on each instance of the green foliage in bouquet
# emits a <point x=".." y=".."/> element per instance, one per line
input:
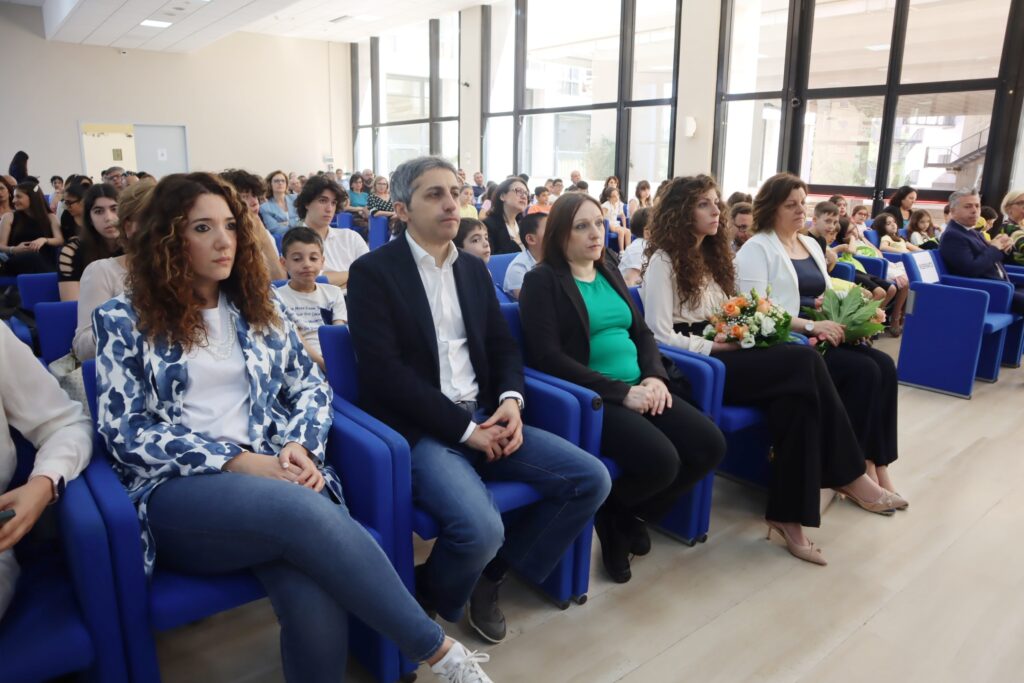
<point x="861" y="316"/>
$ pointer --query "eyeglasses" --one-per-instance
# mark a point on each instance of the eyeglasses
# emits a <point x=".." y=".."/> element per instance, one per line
<point x="71" y="202"/>
<point x="279" y="180"/>
<point x="521" y="192"/>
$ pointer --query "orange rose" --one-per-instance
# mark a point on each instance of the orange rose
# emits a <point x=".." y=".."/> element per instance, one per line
<point x="731" y="309"/>
<point x="720" y="327"/>
<point x="742" y="302"/>
<point x="738" y="331"/>
<point x="764" y="305"/>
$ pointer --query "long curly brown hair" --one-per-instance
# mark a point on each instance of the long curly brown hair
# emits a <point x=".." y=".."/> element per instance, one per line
<point x="160" y="271"/>
<point x="672" y="231"/>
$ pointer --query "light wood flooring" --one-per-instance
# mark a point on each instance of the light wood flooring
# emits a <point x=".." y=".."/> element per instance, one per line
<point x="933" y="594"/>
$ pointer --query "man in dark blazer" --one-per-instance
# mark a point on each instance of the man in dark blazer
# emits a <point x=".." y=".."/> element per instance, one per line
<point x="438" y="364"/>
<point x="965" y="252"/>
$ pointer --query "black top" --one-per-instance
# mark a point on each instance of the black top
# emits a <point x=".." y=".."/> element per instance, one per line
<point x="395" y="340"/>
<point x="24" y="229"/>
<point x="497" y="235"/>
<point x="71" y="261"/>
<point x="810" y="279"/>
<point x="556" y="330"/>
<point x="68" y="226"/>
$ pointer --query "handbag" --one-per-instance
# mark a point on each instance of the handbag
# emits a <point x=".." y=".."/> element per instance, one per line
<point x="68" y="371"/>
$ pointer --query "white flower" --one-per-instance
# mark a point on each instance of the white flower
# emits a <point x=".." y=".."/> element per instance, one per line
<point x="768" y="326"/>
<point x="708" y="329"/>
<point x="747" y="342"/>
<point x="841" y="294"/>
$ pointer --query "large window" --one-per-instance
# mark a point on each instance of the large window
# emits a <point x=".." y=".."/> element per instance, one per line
<point x="579" y="93"/>
<point x="819" y="88"/>
<point x="405" y="94"/>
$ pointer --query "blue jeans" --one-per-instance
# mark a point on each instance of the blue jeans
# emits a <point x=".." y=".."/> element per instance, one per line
<point x="316" y="563"/>
<point x="447" y="482"/>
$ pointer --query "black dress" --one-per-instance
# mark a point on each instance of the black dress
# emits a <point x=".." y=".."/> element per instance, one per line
<point x="24" y="229"/>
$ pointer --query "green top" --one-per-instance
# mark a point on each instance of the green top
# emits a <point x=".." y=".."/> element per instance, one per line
<point x="612" y="351"/>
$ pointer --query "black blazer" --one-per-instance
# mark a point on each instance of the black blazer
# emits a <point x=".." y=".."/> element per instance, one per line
<point x="556" y="330"/>
<point x="497" y="235"/>
<point x="965" y="252"/>
<point x="395" y="342"/>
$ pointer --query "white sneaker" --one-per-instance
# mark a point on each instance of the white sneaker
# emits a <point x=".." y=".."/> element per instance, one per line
<point x="460" y="665"/>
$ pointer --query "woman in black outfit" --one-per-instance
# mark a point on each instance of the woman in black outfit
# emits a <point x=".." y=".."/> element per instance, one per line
<point x="511" y="198"/>
<point x="786" y="261"/>
<point x="689" y="276"/>
<point x="580" y="324"/>
<point x="30" y="235"/>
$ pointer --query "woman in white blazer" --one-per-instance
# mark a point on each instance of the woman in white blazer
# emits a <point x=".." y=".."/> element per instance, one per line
<point x="778" y="256"/>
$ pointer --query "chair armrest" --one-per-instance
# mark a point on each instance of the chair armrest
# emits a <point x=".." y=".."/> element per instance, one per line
<point x="591" y="409"/>
<point x="551" y="409"/>
<point x="797" y="338"/>
<point x="843" y="271"/>
<point x="892" y="257"/>
<point x="703" y="373"/>
<point x="874" y="266"/>
<point x="1000" y="293"/>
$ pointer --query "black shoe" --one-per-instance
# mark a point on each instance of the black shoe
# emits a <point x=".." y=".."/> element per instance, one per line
<point x="639" y="539"/>
<point x="423" y="591"/>
<point x="484" y="614"/>
<point x="614" y="547"/>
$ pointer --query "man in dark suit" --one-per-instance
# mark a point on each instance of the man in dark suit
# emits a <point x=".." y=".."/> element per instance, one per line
<point x="438" y="364"/>
<point x="965" y="252"/>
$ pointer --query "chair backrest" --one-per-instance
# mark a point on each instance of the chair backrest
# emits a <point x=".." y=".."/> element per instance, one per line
<point x="37" y="287"/>
<point x="322" y="279"/>
<point x="515" y="324"/>
<point x="872" y="236"/>
<point x="56" y="322"/>
<point x="924" y="266"/>
<point x="378" y="234"/>
<point x="844" y="271"/>
<point x="342" y="220"/>
<point x="498" y="265"/>
<point x="340" y="359"/>
<point x="637" y="299"/>
<point x="503" y="298"/>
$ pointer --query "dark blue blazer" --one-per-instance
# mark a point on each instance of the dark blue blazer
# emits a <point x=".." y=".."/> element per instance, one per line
<point x="966" y="253"/>
<point x="395" y="342"/>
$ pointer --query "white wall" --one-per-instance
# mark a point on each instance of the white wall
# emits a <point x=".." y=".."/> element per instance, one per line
<point x="250" y="101"/>
<point x="698" y="76"/>
<point x="469" y="100"/>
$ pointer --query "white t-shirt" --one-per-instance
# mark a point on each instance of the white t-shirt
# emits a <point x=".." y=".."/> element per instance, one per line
<point x="311" y="310"/>
<point x="341" y="248"/>
<point x="633" y="255"/>
<point x="613" y="212"/>
<point x="522" y="264"/>
<point x="216" y="400"/>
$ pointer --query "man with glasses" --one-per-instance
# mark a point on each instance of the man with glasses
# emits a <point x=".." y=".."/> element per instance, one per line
<point x="321" y="198"/>
<point x="116" y="177"/>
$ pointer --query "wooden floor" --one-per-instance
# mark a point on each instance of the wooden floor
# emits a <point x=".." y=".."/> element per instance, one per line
<point x="933" y="594"/>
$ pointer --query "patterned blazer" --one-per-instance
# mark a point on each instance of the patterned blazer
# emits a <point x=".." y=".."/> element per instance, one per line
<point x="140" y="392"/>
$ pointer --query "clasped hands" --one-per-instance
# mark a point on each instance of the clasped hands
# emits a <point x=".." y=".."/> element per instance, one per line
<point x="650" y="397"/>
<point x="25" y="247"/>
<point x="1002" y="242"/>
<point x="501" y="434"/>
<point x="293" y="463"/>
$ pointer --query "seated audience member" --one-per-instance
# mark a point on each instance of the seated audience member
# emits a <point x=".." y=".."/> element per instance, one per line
<point x="557" y="187"/>
<point x="379" y="203"/>
<point x="487" y="200"/>
<point x="741" y="215"/>
<point x="778" y="256"/>
<point x="580" y="324"/>
<point x="116" y="177"/>
<point x="631" y="263"/>
<point x="921" y="231"/>
<point x="690" y="276"/>
<point x="575" y="177"/>
<point x="612" y="207"/>
<point x="466" y="207"/>
<point x="57" y="183"/>
<point x="311" y="304"/>
<point x="368" y="177"/>
<point x="103" y="279"/>
<point x="945" y="216"/>
<point x="358" y="199"/>
<point x="316" y="205"/>
<point x="472" y="238"/>
<point x="250" y="189"/>
<point x="611" y="181"/>
<point x="454" y="390"/>
<point x="531" y="233"/>
<point x="991" y="218"/>
<point x="72" y="216"/>
<point x="30" y="236"/>
<point x="294" y="184"/>
<point x="33" y="403"/>
<point x="99" y="239"/>
<point x="6" y="196"/>
<point x="214" y="335"/>
<point x="897" y="288"/>
<point x="859" y="215"/>
<point x="19" y="167"/>
<point x="901" y="205"/>
<point x="582" y="186"/>
<point x="1013" y="223"/>
<point x="825" y="231"/>
<point x="543" y="203"/>
<point x="965" y="252"/>
<point x="511" y="198"/>
<point x="735" y="198"/>
<point x="889" y="240"/>
<point x="461" y="173"/>
<point x="478" y="186"/>
<point x="641" y="200"/>
<point x="278" y="209"/>
<point x="841" y="204"/>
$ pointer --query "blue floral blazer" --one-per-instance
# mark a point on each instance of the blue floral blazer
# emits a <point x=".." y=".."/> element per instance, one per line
<point x="140" y="392"/>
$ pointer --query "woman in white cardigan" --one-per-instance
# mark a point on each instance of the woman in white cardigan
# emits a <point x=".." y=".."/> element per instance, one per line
<point x="778" y="256"/>
<point x="689" y="276"/>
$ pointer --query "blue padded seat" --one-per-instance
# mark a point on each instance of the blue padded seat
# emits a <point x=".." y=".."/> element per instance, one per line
<point x="736" y="418"/>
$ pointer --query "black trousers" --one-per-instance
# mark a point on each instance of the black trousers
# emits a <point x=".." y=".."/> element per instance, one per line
<point x="866" y="381"/>
<point x="1017" y="303"/>
<point x="814" y="446"/>
<point x="662" y="457"/>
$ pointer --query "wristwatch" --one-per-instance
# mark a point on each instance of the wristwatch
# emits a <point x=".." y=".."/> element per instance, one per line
<point x="57" y="481"/>
<point x="809" y="326"/>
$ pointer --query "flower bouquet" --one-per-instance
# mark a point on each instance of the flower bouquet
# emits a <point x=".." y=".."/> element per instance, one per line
<point x="861" y="316"/>
<point x="752" y="321"/>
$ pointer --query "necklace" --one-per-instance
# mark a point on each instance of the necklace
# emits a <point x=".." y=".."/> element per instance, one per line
<point x="222" y="347"/>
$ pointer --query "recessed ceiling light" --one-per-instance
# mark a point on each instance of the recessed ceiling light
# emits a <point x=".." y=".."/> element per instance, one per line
<point x="153" y="23"/>
<point x="877" y="48"/>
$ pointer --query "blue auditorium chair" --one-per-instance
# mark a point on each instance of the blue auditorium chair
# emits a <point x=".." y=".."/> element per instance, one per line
<point x="37" y="287"/>
<point x="379" y="234"/>
<point x="55" y="324"/>
<point x="498" y="265"/>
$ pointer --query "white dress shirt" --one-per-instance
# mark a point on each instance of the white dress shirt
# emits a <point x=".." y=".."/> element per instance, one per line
<point x="663" y="307"/>
<point x="341" y="247"/>
<point x="458" y="378"/>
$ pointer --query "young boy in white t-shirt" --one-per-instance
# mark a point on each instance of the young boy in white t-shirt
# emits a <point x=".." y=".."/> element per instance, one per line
<point x="310" y="303"/>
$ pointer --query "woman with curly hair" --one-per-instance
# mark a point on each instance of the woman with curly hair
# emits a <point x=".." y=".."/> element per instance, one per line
<point x="217" y="422"/>
<point x="580" y="324"/>
<point x="689" y="276"/>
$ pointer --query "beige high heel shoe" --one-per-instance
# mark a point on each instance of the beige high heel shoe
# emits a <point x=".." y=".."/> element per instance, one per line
<point x="808" y="553"/>
<point x="887" y="503"/>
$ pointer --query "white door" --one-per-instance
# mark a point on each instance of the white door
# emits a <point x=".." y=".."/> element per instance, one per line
<point x="161" y="150"/>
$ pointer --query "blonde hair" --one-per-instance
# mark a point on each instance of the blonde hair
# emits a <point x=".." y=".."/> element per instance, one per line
<point x="1010" y="198"/>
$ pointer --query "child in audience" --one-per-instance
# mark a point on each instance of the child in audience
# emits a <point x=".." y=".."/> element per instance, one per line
<point x="472" y="238"/>
<point x="642" y="200"/>
<point x="320" y="199"/>
<point x="889" y="236"/>
<point x="531" y="232"/>
<point x="922" y="232"/>
<point x="631" y="263"/>
<point x="543" y="203"/>
<point x="466" y="207"/>
<point x="616" y="217"/>
<point x="858" y="216"/>
<point x="199" y="376"/>
<point x="32" y="402"/>
<point x="99" y="239"/>
<point x="311" y="303"/>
